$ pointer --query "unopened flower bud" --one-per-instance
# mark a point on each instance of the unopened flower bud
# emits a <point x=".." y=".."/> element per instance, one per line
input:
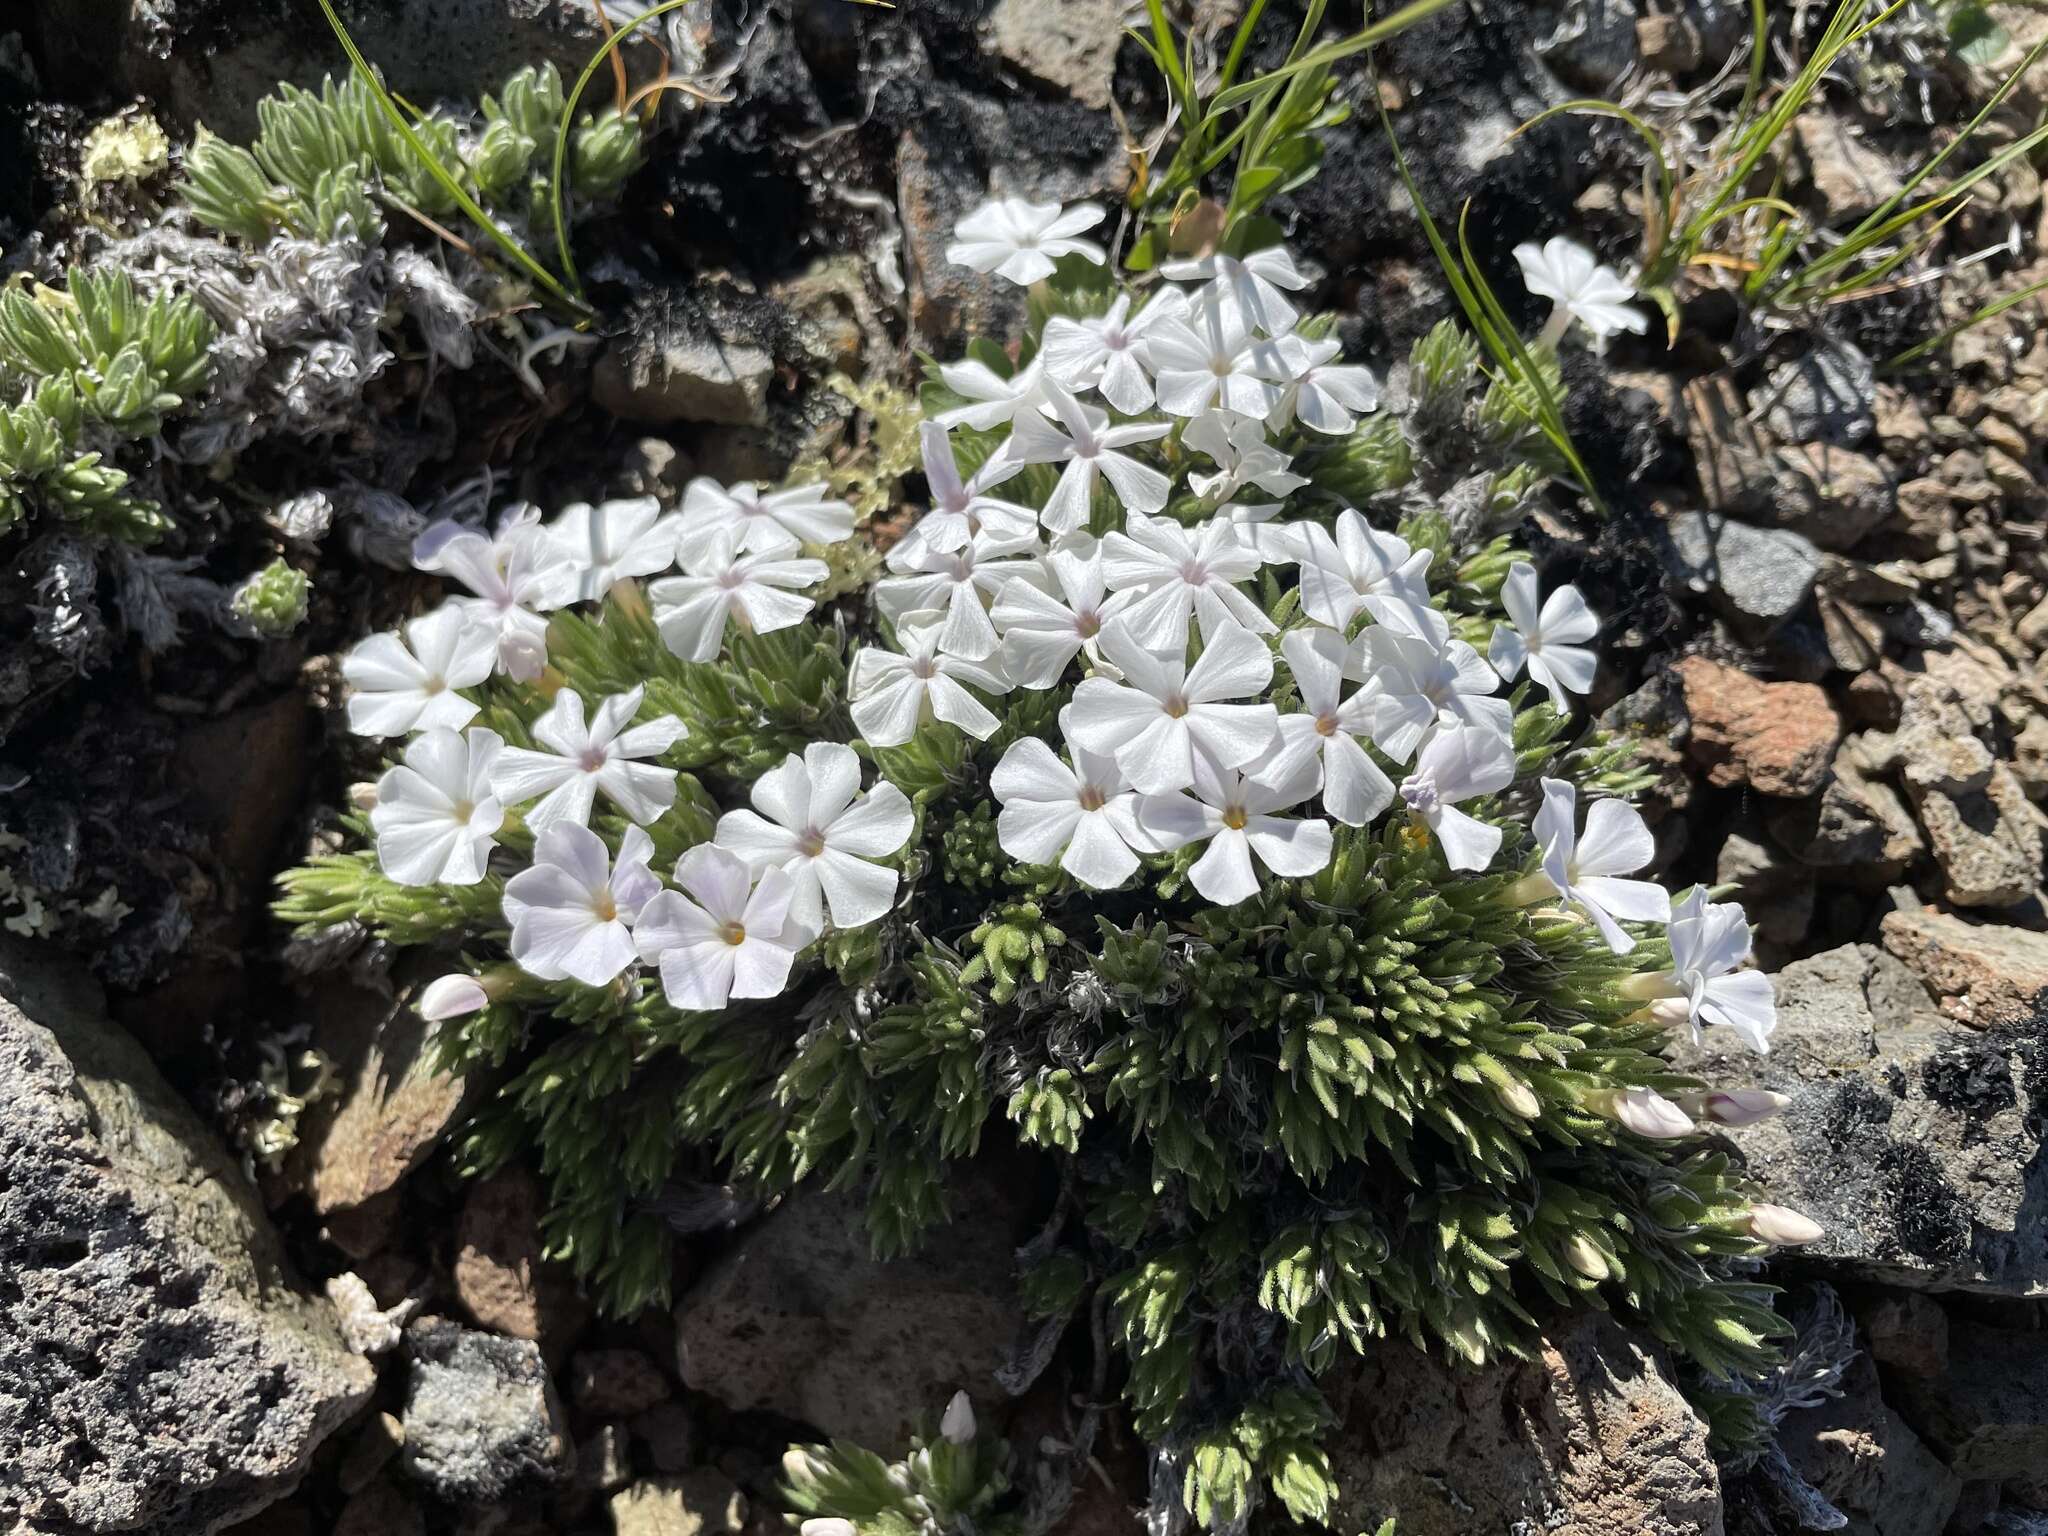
<point x="801" y="1467"/>
<point x="827" y="1525"/>
<point x="958" y="1424"/>
<point x="1671" y="1011"/>
<point x="1518" y="1098"/>
<point x="1643" y="1111"/>
<point x="1585" y="1258"/>
<point x="452" y="997"/>
<point x="363" y="796"/>
<point x="1783" y="1226"/>
<point x="1734" y="1106"/>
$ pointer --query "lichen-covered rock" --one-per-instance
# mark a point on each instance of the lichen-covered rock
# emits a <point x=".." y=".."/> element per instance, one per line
<point x="1914" y="1141"/>
<point x="1589" y="1437"/>
<point x="161" y="1368"/>
<point x="801" y="1318"/>
<point x="699" y="356"/>
<point x="1756" y="577"/>
<point x="1068" y="44"/>
<point x="481" y="1417"/>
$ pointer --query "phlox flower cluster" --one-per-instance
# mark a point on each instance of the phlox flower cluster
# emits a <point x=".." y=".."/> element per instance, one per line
<point x="1108" y="520"/>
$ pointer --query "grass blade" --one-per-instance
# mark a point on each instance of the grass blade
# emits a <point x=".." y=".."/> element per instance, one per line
<point x="1331" y="53"/>
<point x="1990" y="311"/>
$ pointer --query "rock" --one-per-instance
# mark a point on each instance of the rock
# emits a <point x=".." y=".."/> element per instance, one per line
<point x="604" y="1459"/>
<point x="1914" y="1141"/>
<point x="500" y="1277"/>
<point x="1593" y="43"/>
<point x="1825" y="397"/>
<point x="1733" y="460"/>
<point x="194" y="62"/>
<point x="375" y="1444"/>
<point x="1757" y="577"/>
<point x="1860" y="825"/>
<point x="935" y="191"/>
<point x="615" y="1383"/>
<point x="705" y="354"/>
<point x="481" y="1418"/>
<point x="1906" y="1330"/>
<point x="1778" y="738"/>
<point x="801" y="1319"/>
<point x="1832" y="496"/>
<point x="2030" y="757"/>
<point x="1987" y="842"/>
<point x="1589" y="1437"/>
<point x="1851" y="177"/>
<point x="1901" y="424"/>
<point x="1774" y="889"/>
<point x="380" y="1510"/>
<point x="395" y="1105"/>
<point x="1982" y="974"/>
<point x="161" y="1367"/>
<point x="1669" y="43"/>
<point x="1988" y="1416"/>
<point x="670" y="1435"/>
<point x="1866" y="1461"/>
<point x="1070" y="44"/>
<point x="697" y="1504"/>
<point x="2031" y="629"/>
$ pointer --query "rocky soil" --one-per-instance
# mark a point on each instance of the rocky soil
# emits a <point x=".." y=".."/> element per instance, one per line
<point x="1827" y="601"/>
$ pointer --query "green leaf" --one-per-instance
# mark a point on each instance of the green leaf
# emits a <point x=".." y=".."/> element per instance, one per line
<point x="1975" y="36"/>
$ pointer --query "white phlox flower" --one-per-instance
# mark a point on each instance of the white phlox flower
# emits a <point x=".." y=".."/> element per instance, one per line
<point x="1181" y="573"/>
<point x="1343" y="566"/>
<point x="435" y="816"/>
<point x="1550" y="640"/>
<point x="1709" y="941"/>
<point x="1088" y="448"/>
<point x="605" y="544"/>
<point x="726" y="934"/>
<point x="764" y="522"/>
<point x="1587" y="870"/>
<point x="952" y="581"/>
<point x="1257" y="523"/>
<point x="1107" y="352"/>
<point x="1209" y="358"/>
<point x="572" y="912"/>
<point x="1570" y="276"/>
<point x="1020" y="240"/>
<point x="961" y="509"/>
<point x="1236" y="817"/>
<point x="1084" y="818"/>
<point x="1243" y="457"/>
<point x="512" y="583"/>
<point x="1164" y="716"/>
<point x="1322" y="394"/>
<point x="891" y="693"/>
<point x="582" y="759"/>
<point x="1253" y="283"/>
<point x="1460" y="763"/>
<point x="993" y="400"/>
<point x="1043" y="630"/>
<point x="720" y="583"/>
<point x="1327" y="729"/>
<point x="1422" y="682"/>
<point x="401" y="685"/>
<point x="811" y="821"/>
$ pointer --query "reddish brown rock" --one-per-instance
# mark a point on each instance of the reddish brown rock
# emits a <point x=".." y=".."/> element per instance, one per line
<point x="1985" y="974"/>
<point x="1777" y="738"/>
<point x="500" y="1276"/>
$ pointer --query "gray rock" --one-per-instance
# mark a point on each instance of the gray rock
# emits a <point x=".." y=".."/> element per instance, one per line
<point x="1867" y="1461"/>
<point x="1757" y="577"/>
<point x="1593" y="42"/>
<point x="1833" y="496"/>
<point x="1913" y="1140"/>
<point x="481" y="1417"/>
<point x="802" y="1319"/>
<point x="1851" y="177"/>
<point x="1590" y="1436"/>
<point x="211" y="60"/>
<point x="1070" y="44"/>
<point x="697" y="356"/>
<point x="161" y="1368"/>
<point x="1987" y="1416"/>
<point x="1828" y="396"/>
<point x="703" y="1503"/>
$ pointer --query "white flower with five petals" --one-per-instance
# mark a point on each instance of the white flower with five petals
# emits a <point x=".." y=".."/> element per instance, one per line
<point x="1423" y="681"/>
<point x="610" y="542"/>
<point x="1083" y="818"/>
<point x="811" y="821"/>
<point x="953" y="581"/>
<point x="1182" y="573"/>
<point x="1571" y="277"/>
<point x="401" y="685"/>
<point x="726" y="934"/>
<point x="1210" y="358"/>
<point x="1165" y="716"/>
<point x="891" y="693"/>
<point x="1236" y="817"/>
<point x="764" y="522"/>
<point x="1343" y="567"/>
<point x="1327" y="729"/>
<point x="1550" y="640"/>
<point x="435" y="816"/>
<point x="572" y="911"/>
<point x="1089" y="447"/>
<point x="1243" y="457"/>
<point x="512" y="583"/>
<point x="1709" y="943"/>
<point x="1586" y="870"/>
<point x="1460" y="763"/>
<point x="1106" y="352"/>
<point x="1018" y="239"/>
<point x="583" y="759"/>
<point x="719" y="583"/>
<point x="961" y="509"/>
<point x="1042" y="630"/>
<point x="1252" y="282"/>
<point x="1322" y="394"/>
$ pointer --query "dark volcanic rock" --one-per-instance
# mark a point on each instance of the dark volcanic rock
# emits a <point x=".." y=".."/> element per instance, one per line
<point x="161" y="1368"/>
<point x="481" y="1417"/>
